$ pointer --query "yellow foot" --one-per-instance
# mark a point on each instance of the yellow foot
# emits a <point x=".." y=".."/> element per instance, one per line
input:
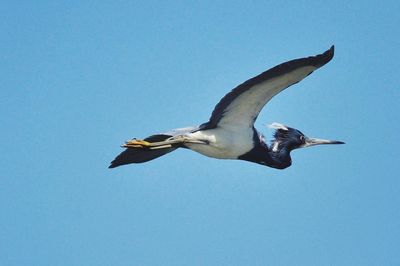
<point x="136" y="143"/>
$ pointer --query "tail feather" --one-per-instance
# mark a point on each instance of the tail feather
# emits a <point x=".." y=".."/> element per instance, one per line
<point x="140" y="155"/>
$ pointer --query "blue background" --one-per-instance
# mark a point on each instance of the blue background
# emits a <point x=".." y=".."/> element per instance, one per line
<point x="78" y="78"/>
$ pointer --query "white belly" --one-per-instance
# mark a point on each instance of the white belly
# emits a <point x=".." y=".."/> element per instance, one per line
<point x="222" y="143"/>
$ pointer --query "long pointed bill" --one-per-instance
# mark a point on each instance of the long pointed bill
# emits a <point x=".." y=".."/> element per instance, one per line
<point x="314" y="141"/>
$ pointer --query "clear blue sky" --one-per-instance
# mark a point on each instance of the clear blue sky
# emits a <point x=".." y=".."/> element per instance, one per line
<point x="78" y="78"/>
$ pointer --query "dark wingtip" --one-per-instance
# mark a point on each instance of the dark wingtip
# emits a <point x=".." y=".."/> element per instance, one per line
<point x="331" y="51"/>
<point x="325" y="57"/>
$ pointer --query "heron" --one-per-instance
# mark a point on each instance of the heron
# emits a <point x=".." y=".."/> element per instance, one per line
<point x="230" y="131"/>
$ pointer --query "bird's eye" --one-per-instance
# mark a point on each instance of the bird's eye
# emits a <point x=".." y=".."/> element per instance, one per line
<point x="302" y="138"/>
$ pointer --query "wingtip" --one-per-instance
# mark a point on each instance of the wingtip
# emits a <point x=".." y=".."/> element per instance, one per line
<point x="328" y="54"/>
<point x="332" y="50"/>
<point x="325" y="57"/>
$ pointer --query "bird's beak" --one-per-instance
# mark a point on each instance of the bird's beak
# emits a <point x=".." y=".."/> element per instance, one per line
<point x="313" y="141"/>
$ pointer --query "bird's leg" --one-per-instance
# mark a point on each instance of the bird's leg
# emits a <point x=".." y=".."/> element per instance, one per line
<point x="136" y="143"/>
<point x="186" y="139"/>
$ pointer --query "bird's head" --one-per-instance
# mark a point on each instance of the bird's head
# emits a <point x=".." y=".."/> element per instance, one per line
<point x="290" y="138"/>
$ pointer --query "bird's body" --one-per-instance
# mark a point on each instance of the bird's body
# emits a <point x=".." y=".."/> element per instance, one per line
<point x="230" y="131"/>
<point x="222" y="143"/>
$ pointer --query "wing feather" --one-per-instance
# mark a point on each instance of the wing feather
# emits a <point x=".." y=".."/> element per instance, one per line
<point x="241" y="106"/>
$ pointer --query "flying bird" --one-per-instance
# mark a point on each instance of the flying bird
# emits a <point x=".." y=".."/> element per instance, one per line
<point x="230" y="131"/>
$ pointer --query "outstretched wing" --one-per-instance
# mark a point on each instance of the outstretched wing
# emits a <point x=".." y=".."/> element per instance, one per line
<point x="241" y="106"/>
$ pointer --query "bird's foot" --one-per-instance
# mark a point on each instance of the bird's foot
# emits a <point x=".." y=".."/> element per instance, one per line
<point x="136" y="143"/>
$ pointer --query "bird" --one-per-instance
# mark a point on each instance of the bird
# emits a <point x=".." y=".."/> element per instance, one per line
<point x="230" y="131"/>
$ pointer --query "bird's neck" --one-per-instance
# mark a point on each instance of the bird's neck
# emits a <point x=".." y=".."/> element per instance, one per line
<point x="276" y="156"/>
<point x="280" y="158"/>
<point x="262" y="154"/>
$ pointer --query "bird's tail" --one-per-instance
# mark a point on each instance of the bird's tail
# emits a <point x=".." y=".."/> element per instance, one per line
<point x="140" y="151"/>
